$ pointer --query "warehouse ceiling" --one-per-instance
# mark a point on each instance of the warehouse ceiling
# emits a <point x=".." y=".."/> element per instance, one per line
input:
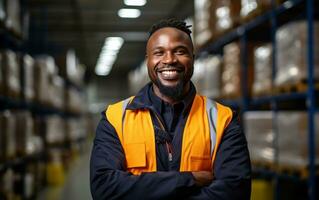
<point x="83" y="25"/>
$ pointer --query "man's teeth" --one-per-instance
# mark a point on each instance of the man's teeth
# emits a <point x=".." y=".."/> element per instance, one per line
<point x="168" y="73"/>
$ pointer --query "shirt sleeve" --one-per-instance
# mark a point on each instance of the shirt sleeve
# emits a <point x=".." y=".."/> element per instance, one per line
<point x="110" y="180"/>
<point x="232" y="169"/>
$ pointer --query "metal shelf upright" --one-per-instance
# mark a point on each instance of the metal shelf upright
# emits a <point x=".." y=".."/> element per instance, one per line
<point x="311" y="102"/>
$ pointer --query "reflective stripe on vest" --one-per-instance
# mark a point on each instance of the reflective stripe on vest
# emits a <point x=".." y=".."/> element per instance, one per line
<point x="202" y="135"/>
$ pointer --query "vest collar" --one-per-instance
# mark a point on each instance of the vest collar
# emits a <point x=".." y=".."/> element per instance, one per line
<point x="142" y="99"/>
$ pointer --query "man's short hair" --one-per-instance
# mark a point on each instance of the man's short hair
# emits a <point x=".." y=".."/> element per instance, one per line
<point x="174" y="23"/>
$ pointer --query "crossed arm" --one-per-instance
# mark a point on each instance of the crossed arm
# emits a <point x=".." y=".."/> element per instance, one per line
<point x="110" y="180"/>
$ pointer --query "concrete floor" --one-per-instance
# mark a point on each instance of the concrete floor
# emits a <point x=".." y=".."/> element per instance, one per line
<point x="76" y="186"/>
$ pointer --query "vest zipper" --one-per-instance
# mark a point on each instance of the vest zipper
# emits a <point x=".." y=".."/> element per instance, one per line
<point x="168" y="145"/>
<point x="169" y="150"/>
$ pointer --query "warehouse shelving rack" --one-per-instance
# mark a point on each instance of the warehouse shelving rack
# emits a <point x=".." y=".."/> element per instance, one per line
<point x="17" y="43"/>
<point x="271" y="19"/>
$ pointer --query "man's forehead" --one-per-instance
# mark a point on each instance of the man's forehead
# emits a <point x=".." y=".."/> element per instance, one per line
<point x="162" y="33"/>
<point x="170" y="31"/>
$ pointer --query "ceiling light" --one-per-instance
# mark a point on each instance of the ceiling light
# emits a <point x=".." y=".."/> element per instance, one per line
<point x="129" y="13"/>
<point x="135" y="2"/>
<point x="108" y="55"/>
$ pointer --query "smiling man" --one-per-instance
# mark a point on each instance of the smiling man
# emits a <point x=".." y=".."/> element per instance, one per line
<point x="168" y="142"/>
<point x="170" y="62"/>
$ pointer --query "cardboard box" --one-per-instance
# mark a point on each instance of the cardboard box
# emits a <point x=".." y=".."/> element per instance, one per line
<point x="29" y="86"/>
<point x="262" y="70"/>
<point x="11" y="74"/>
<point x="292" y="52"/>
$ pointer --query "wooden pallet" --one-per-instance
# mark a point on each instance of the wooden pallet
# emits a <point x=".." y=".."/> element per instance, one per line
<point x="262" y="93"/>
<point x="302" y="171"/>
<point x="263" y="165"/>
<point x="300" y="86"/>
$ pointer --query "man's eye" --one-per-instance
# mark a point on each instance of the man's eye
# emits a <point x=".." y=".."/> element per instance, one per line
<point x="180" y="52"/>
<point x="158" y="53"/>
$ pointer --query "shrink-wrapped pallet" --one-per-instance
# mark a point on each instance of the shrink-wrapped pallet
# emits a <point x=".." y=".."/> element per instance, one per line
<point x="204" y="22"/>
<point x="7" y="181"/>
<point x="231" y="77"/>
<point x="11" y="73"/>
<point x="253" y="7"/>
<point x="27" y="143"/>
<point x="292" y="52"/>
<point x="55" y="131"/>
<point x="2" y="11"/>
<point x="28" y="64"/>
<point x="8" y="140"/>
<point x="29" y="181"/>
<point x="13" y="18"/>
<point x="76" y="129"/>
<point x="293" y="139"/>
<point x="56" y="91"/>
<point x="232" y="80"/>
<point x="24" y="131"/>
<point x="75" y="100"/>
<point x="227" y="14"/>
<point x="262" y="70"/>
<point x="74" y="70"/>
<point x="207" y="76"/>
<point x="41" y="81"/>
<point x="248" y="7"/>
<point x="260" y="136"/>
<point x="70" y="68"/>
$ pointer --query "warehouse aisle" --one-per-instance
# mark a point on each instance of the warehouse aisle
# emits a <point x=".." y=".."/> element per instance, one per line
<point x="76" y="185"/>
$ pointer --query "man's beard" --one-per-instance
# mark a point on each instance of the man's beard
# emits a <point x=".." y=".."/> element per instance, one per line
<point x="174" y="92"/>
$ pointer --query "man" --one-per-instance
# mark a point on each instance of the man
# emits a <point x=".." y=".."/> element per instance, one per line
<point x="168" y="142"/>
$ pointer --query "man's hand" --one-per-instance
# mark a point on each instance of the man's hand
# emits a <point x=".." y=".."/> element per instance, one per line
<point x="203" y="178"/>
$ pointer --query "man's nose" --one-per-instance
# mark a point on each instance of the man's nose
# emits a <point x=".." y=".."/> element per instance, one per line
<point x="169" y="58"/>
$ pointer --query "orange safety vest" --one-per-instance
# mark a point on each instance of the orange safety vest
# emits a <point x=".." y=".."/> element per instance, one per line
<point x="202" y="135"/>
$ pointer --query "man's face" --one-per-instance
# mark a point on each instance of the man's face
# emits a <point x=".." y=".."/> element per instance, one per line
<point x="170" y="59"/>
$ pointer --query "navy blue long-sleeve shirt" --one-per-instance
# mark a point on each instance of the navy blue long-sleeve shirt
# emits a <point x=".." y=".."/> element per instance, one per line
<point x="110" y="180"/>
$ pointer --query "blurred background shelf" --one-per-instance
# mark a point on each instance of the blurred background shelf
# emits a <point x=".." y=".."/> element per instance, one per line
<point x="259" y="57"/>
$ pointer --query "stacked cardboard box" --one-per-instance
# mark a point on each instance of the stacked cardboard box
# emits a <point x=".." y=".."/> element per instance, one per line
<point x="260" y="136"/>
<point x="292" y="53"/>
<point x="291" y="130"/>
<point x="49" y="86"/>
<point x="293" y="139"/>
<point x="11" y="74"/>
<point x="231" y="71"/>
<point x="251" y="8"/>
<point x="2" y="11"/>
<point x="204" y="22"/>
<point x="55" y="130"/>
<point x="17" y="135"/>
<point x="41" y="78"/>
<point x="29" y="84"/>
<point x="13" y="16"/>
<point x="262" y="70"/>
<point x="227" y="13"/>
<point x="207" y="76"/>
<point x="8" y="129"/>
